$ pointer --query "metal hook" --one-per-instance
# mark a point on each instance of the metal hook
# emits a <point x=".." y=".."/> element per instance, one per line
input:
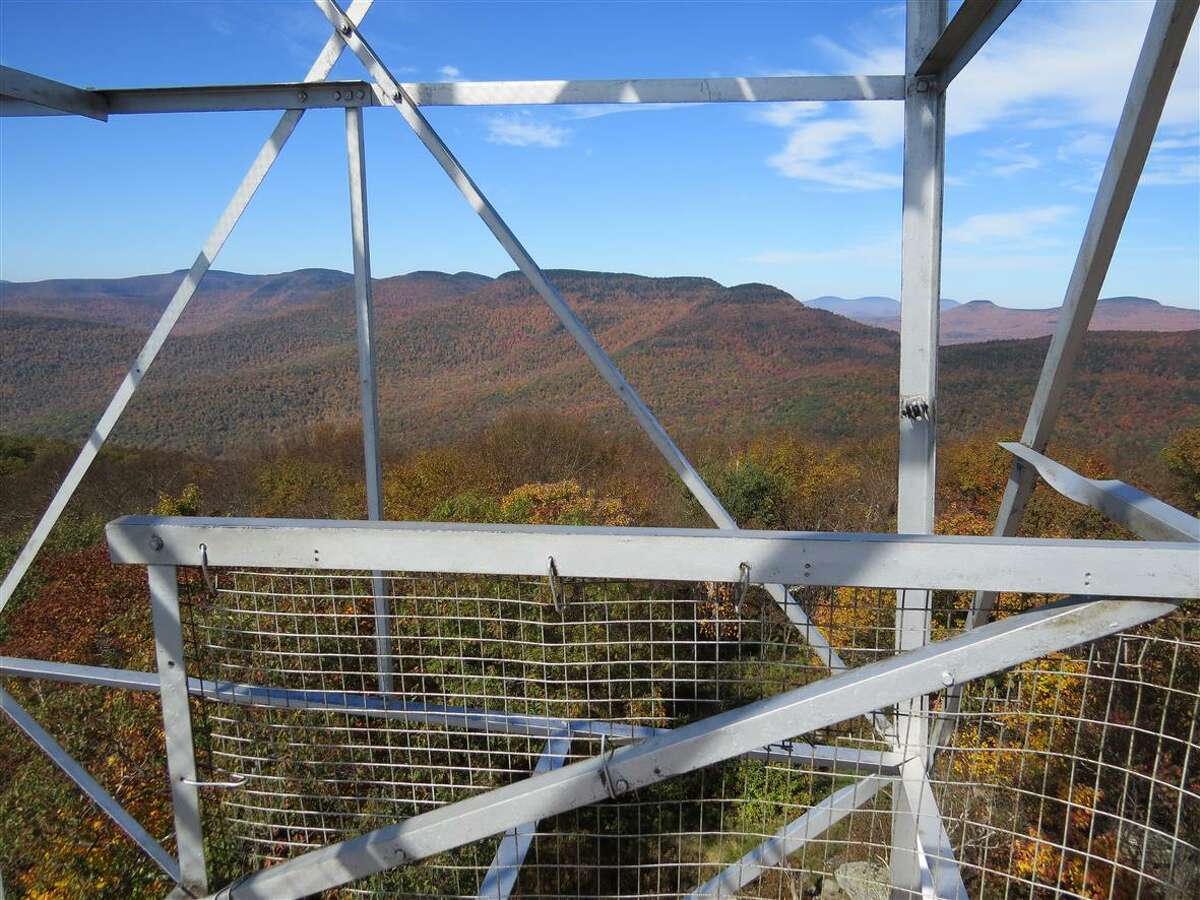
<point x="208" y="582"/>
<point x="556" y="594"/>
<point x="613" y="786"/>
<point x="743" y="581"/>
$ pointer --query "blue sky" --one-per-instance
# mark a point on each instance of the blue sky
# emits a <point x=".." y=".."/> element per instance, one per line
<point x="804" y="196"/>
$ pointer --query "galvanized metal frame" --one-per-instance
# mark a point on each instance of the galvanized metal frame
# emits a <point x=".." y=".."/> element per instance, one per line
<point x="177" y="727"/>
<point x="365" y="331"/>
<point x="922" y="857"/>
<point x="844" y="695"/>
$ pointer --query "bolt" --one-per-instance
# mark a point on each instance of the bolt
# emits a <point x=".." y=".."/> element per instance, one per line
<point x="398" y="97"/>
<point x="346" y="29"/>
<point x="156" y="543"/>
<point x="947" y="679"/>
<point x="337" y="95"/>
<point x="360" y="95"/>
<point x="304" y="96"/>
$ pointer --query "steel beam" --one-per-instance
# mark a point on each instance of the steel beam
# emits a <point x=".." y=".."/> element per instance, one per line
<point x="89" y="786"/>
<point x="72" y="673"/>
<point x="322" y="95"/>
<point x="933" y="842"/>
<point x="821" y="757"/>
<point x="968" y="31"/>
<point x="842" y="696"/>
<point x="187" y="288"/>
<point x="1161" y="51"/>
<point x="365" y="330"/>
<point x="25" y="87"/>
<point x="177" y="727"/>
<point x="920" y="302"/>
<point x="514" y="845"/>
<point x="1145" y="516"/>
<point x="772" y="852"/>
<point x="216" y="98"/>
<point x="769" y="89"/>
<point x="924" y="561"/>
<point x="570" y="321"/>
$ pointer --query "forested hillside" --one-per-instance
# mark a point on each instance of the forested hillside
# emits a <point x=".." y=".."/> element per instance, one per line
<point x="546" y="468"/>
<point x="254" y="364"/>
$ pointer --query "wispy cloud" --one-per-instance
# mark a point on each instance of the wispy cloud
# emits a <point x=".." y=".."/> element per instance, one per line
<point x="1009" y="159"/>
<point x="1007" y="226"/>
<point x="596" y="110"/>
<point x="450" y="73"/>
<point x="522" y="130"/>
<point x="1050" y="66"/>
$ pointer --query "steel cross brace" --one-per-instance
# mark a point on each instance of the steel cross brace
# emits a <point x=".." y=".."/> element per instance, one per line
<point x="86" y="783"/>
<point x="715" y="739"/>
<point x="1162" y="49"/>
<point x="502" y="874"/>
<point x="208" y="254"/>
<point x="394" y="92"/>
<point x="1144" y="515"/>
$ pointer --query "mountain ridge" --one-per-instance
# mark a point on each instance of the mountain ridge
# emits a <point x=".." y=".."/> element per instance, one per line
<point x="984" y="320"/>
<point x="454" y="352"/>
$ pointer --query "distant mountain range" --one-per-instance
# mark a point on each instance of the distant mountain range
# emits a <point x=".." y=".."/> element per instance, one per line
<point x="983" y="320"/>
<point x="259" y="356"/>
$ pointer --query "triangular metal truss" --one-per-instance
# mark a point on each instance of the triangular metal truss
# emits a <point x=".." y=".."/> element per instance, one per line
<point x="922" y="856"/>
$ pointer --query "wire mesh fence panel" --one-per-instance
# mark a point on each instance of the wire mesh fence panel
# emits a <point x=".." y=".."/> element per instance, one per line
<point x="1077" y="774"/>
<point x="1073" y="773"/>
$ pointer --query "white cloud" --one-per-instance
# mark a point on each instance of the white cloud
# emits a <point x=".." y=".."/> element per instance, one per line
<point x="1008" y="226"/>
<point x="1050" y="66"/>
<point x="522" y="130"/>
<point x="841" y="152"/>
<point x="450" y="72"/>
<point x="1009" y="159"/>
<point x="596" y="110"/>
<point x="1091" y="144"/>
<point x="784" y="114"/>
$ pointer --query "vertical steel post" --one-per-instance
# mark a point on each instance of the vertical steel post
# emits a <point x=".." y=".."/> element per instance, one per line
<point x="177" y="727"/>
<point x="920" y="299"/>
<point x="364" y="315"/>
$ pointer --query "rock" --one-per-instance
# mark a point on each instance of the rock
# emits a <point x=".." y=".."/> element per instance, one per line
<point x="864" y="880"/>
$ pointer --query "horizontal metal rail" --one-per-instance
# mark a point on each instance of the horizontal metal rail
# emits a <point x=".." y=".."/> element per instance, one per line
<point x="933" y="562"/>
<point x="843" y="696"/>
<point x="215" y="98"/>
<point x="1142" y="514"/>
<point x="73" y="673"/>
<point x="818" y="756"/>
<point x="60" y="99"/>
<point x="89" y="785"/>
<point x="99" y="103"/>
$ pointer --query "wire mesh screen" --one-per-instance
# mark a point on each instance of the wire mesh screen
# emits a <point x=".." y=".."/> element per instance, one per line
<point x="1074" y="774"/>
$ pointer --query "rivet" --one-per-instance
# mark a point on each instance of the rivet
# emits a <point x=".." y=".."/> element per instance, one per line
<point x="361" y="95"/>
<point x="346" y="29"/>
<point x="337" y="95"/>
<point x="398" y="97"/>
<point x="156" y="543"/>
<point x="947" y="679"/>
<point x="303" y="96"/>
